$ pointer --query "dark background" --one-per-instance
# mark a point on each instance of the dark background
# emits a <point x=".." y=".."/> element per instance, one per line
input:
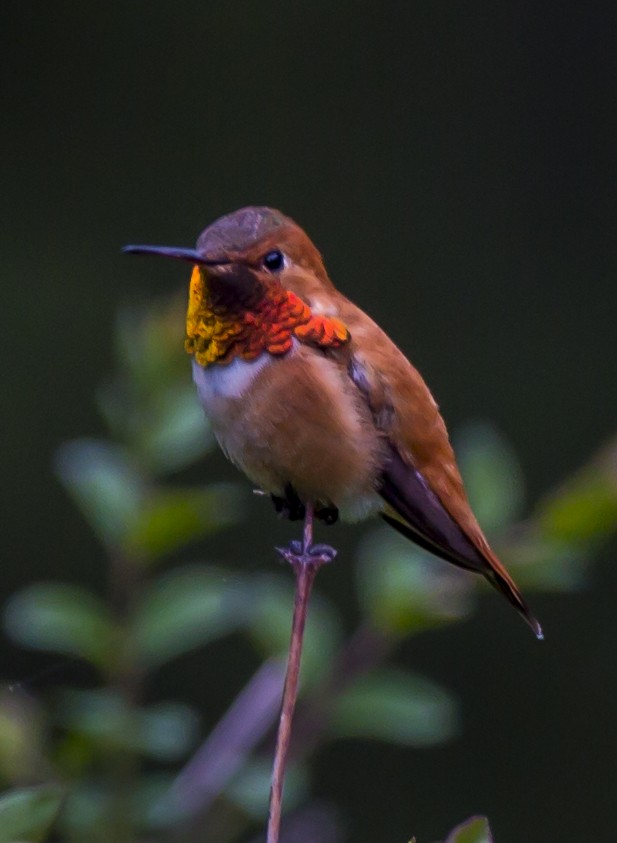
<point x="455" y="162"/>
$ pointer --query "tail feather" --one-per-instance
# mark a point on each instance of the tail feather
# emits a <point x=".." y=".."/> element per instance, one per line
<point x="415" y="510"/>
<point x="503" y="582"/>
<point x="498" y="577"/>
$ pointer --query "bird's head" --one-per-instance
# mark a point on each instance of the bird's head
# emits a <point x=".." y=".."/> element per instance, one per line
<point x="256" y="276"/>
<point x="253" y="247"/>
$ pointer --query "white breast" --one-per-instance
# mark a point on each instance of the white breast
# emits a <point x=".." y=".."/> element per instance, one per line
<point x="218" y="381"/>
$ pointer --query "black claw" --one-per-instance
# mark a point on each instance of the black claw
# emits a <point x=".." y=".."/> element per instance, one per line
<point x="279" y="503"/>
<point x="327" y="514"/>
<point x="290" y="506"/>
<point x="324" y="550"/>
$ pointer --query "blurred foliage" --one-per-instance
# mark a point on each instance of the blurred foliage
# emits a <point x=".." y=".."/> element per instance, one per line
<point x="28" y="813"/>
<point x="397" y="707"/>
<point x="475" y="830"/>
<point x="105" y="763"/>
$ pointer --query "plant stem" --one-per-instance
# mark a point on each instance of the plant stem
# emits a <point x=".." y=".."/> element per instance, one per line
<point x="305" y="565"/>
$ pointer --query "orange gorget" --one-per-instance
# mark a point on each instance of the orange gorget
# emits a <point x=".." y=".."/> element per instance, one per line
<point x="268" y="321"/>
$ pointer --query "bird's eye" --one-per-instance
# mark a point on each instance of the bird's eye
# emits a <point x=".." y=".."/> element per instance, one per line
<point x="274" y="261"/>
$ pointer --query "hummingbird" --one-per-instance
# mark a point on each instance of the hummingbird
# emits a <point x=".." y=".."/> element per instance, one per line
<point x="313" y="401"/>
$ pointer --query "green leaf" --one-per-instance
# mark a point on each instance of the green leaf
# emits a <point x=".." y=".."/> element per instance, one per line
<point x="151" y="405"/>
<point x="546" y="564"/>
<point x="22" y="737"/>
<point x="106" y="486"/>
<point x="174" y="432"/>
<point x="492" y="473"/>
<point x="584" y="509"/>
<point x="186" y="609"/>
<point x="397" y="707"/>
<point x="101" y="716"/>
<point x="164" y="425"/>
<point x="172" y="518"/>
<point x="28" y="813"/>
<point x="62" y="618"/>
<point x="88" y="815"/>
<point x="168" y="730"/>
<point x="86" y="811"/>
<point x="250" y="789"/>
<point x="404" y="590"/>
<point x="165" y="731"/>
<point x="152" y="802"/>
<point x="474" y="830"/>
<point x="150" y="342"/>
<point x="270" y="625"/>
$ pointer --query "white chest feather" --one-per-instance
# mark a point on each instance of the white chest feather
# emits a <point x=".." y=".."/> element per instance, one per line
<point x="217" y="382"/>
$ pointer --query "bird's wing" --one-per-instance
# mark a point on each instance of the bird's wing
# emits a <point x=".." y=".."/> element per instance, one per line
<point x="420" y="483"/>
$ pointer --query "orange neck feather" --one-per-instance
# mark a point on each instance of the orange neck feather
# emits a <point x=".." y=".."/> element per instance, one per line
<point x="220" y="328"/>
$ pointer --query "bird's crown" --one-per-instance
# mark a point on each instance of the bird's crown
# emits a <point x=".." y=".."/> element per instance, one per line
<point x="240" y="230"/>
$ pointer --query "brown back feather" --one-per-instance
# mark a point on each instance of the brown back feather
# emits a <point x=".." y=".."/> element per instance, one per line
<point x="421" y="482"/>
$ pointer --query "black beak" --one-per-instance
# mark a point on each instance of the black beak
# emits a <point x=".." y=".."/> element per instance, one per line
<point x="189" y="255"/>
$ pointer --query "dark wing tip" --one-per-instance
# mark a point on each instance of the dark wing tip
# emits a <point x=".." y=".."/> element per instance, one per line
<point x="535" y="625"/>
<point x="426" y="521"/>
<point x="532" y="622"/>
<point x="506" y="586"/>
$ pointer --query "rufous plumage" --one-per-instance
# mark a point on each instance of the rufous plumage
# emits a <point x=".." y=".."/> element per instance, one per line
<point x="310" y="398"/>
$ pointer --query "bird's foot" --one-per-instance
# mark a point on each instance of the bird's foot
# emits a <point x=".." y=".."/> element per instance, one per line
<point x="327" y="515"/>
<point x="315" y="555"/>
<point x="290" y="507"/>
<point x="323" y="551"/>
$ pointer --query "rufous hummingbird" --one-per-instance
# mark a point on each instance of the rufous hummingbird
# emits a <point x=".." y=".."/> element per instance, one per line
<point x="313" y="401"/>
